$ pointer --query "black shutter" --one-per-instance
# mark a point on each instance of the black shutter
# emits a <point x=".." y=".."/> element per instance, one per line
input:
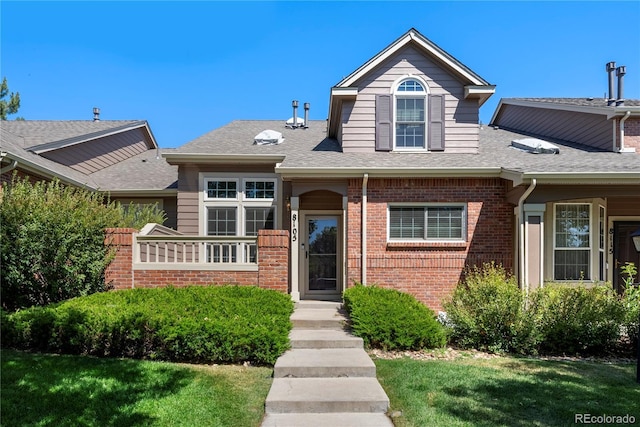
<point x="436" y="123"/>
<point x="383" y="123"/>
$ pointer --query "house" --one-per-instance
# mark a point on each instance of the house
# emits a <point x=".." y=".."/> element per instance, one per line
<point x="120" y="157"/>
<point x="401" y="187"/>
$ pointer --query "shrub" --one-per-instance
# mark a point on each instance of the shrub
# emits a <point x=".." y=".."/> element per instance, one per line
<point x="223" y="324"/>
<point x="52" y="241"/>
<point x="392" y="320"/>
<point x="487" y="312"/>
<point x="578" y="320"/>
<point x="631" y="321"/>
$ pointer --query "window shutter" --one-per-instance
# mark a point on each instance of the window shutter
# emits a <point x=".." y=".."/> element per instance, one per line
<point x="383" y="123"/>
<point x="436" y="122"/>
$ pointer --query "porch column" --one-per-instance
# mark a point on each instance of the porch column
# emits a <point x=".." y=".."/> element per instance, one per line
<point x="534" y="245"/>
<point x="295" y="246"/>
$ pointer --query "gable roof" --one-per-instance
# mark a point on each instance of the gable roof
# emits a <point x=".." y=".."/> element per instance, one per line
<point x="24" y="141"/>
<point x="432" y="49"/>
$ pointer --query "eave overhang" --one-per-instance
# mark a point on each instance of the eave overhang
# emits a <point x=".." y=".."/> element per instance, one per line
<point x="204" y="158"/>
<point x="583" y="178"/>
<point x="355" y="172"/>
<point x="30" y="167"/>
<point x="152" y="192"/>
<point x="481" y="93"/>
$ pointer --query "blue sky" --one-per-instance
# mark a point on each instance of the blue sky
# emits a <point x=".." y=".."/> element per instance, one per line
<point x="190" y="67"/>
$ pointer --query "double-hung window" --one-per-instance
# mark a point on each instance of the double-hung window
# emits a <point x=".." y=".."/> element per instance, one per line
<point x="433" y="222"/>
<point x="410" y="115"/>
<point x="572" y="241"/>
<point x="239" y="207"/>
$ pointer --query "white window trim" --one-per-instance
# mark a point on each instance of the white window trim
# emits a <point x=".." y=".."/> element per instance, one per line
<point x="240" y="202"/>
<point x="594" y="239"/>
<point x="396" y="94"/>
<point x="465" y="221"/>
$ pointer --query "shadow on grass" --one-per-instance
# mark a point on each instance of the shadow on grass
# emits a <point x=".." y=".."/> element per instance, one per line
<point x="512" y="392"/>
<point x="46" y="390"/>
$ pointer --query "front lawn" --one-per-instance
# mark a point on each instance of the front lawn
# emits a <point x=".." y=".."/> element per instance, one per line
<point x="506" y="391"/>
<point x="51" y="390"/>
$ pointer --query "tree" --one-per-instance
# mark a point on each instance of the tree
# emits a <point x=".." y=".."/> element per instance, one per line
<point x="11" y="105"/>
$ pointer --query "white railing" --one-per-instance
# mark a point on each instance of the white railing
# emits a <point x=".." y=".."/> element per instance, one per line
<point x="179" y="251"/>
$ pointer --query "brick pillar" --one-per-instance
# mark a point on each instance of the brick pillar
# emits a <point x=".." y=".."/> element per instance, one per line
<point x="119" y="273"/>
<point x="273" y="260"/>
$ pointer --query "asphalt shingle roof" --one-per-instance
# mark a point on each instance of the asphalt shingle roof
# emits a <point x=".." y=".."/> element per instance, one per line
<point x="309" y="148"/>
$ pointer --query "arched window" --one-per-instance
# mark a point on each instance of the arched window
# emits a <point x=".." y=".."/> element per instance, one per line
<point x="410" y="104"/>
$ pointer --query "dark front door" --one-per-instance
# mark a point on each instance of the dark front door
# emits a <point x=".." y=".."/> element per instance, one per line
<point x="623" y="250"/>
<point x="322" y="254"/>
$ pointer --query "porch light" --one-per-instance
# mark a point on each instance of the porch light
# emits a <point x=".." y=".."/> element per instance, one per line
<point x="635" y="236"/>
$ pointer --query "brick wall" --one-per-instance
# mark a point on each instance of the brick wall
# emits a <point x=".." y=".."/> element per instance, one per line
<point x="428" y="271"/>
<point x="632" y="133"/>
<point x="273" y="266"/>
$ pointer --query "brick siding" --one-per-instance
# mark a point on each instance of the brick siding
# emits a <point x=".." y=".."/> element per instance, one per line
<point x="632" y="134"/>
<point x="428" y="271"/>
<point x="273" y="266"/>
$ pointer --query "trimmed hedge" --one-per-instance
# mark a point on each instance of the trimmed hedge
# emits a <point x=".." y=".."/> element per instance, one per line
<point x="392" y="320"/>
<point x="213" y="324"/>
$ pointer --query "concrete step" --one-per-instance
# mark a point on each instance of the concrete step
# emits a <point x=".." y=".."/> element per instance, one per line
<point x="363" y="419"/>
<point x="325" y="363"/>
<point x="323" y="338"/>
<point x="322" y="395"/>
<point x="311" y="304"/>
<point x="318" y="318"/>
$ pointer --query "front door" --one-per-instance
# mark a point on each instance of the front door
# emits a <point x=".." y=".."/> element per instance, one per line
<point x="322" y="254"/>
<point x="623" y="250"/>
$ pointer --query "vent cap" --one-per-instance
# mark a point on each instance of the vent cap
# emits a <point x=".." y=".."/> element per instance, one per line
<point x="535" y="146"/>
<point x="268" y="137"/>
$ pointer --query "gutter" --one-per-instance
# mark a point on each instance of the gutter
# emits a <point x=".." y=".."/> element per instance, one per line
<point x="522" y="262"/>
<point x="9" y="168"/>
<point x="363" y="258"/>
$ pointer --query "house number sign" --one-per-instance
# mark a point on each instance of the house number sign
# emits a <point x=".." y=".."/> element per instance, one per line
<point x="294" y="227"/>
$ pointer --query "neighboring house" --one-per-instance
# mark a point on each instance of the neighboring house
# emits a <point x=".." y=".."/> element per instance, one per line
<point x="400" y="187"/>
<point x="118" y="157"/>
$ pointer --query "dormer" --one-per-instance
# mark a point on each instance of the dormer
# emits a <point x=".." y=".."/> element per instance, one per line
<point x="411" y="97"/>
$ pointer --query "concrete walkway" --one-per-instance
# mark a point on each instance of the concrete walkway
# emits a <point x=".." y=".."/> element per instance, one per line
<point x="326" y="379"/>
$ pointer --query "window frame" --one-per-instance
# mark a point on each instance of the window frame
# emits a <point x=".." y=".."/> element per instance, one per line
<point x="594" y="239"/>
<point x="425" y="207"/>
<point x="424" y="96"/>
<point x="241" y="203"/>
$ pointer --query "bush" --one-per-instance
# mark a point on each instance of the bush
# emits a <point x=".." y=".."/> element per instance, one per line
<point x="487" y="312"/>
<point x="631" y="321"/>
<point x="52" y="241"/>
<point x="392" y="320"/>
<point x="217" y="324"/>
<point x="578" y="320"/>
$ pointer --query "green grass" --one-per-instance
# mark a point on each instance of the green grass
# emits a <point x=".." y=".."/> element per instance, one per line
<point x="51" y="390"/>
<point x="506" y="391"/>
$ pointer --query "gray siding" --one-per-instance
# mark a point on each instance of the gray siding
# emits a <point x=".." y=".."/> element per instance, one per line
<point x="188" y="204"/>
<point x="94" y="155"/>
<point x="592" y="130"/>
<point x="461" y="116"/>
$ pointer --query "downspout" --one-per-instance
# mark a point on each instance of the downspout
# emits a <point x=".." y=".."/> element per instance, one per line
<point x="622" y="120"/>
<point x="523" y="273"/>
<point x="9" y="168"/>
<point x="365" y="181"/>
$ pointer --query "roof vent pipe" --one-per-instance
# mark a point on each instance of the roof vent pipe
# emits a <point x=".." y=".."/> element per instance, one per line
<point x="611" y="67"/>
<point x="306" y="115"/>
<point x="96" y="114"/>
<point x="620" y="72"/>
<point x="294" y="104"/>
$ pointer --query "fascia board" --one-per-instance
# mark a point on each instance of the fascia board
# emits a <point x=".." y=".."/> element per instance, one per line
<point x="495" y="112"/>
<point x="430" y="47"/>
<point x="551" y="106"/>
<point x="622" y="110"/>
<point x="585" y="178"/>
<point x="204" y="158"/>
<point x="142" y="192"/>
<point x="288" y="172"/>
<point x="63" y="143"/>
<point x="480" y="92"/>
